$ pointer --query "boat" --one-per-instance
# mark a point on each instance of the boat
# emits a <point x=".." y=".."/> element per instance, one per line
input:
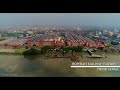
<point x="95" y="56"/>
<point x="45" y="57"/>
<point x="91" y="55"/>
<point x="54" y="56"/>
<point x="74" y="58"/>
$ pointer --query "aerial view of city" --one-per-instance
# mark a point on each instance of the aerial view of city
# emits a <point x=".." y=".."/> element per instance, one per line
<point x="59" y="44"/>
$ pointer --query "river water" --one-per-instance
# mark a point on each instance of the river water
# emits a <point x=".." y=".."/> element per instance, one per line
<point x="34" y="66"/>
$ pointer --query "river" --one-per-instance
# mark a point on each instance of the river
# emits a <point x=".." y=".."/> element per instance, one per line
<point x="34" y="66"/>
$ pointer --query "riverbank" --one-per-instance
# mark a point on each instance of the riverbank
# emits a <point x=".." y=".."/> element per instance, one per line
<point x="20" y="52"/>
<point x="12" y="51"/>
<point x="16" y="52"/>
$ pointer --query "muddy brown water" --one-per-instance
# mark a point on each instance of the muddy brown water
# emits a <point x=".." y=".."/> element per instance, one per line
<point x="35" y="66"/>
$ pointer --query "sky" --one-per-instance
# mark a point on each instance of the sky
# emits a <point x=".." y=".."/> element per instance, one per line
<point x="60" y="19"/>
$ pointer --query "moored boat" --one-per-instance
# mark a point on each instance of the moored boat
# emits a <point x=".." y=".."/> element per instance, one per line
<point x="95" y="56"/>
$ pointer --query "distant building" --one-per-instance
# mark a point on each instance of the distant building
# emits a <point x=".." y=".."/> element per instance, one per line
<point x="30" y="32"/>
<point x="44" y="40"/>
<point x="110" y="33"/>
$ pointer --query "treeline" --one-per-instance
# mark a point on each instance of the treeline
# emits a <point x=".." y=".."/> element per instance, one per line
<point x="45" y="49"/>
<point x="74" y="48"/>
<point x="32" y="51"/>
<point x="1" y="39"/>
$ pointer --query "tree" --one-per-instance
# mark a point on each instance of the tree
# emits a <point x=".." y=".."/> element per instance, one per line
<point x="15" y="47"/>
<point x="31" y="51"/>
<point x="34" y="45"/>
<point x="115" y="43"/>
<point x="5" y="45"/>
<point x="77" y="48"/>
<point x="65" y="49"/>
<point x="66" y="44"/>
<point x="46" y="48"/>
<point x="63" y="53"/>
<point x="26" y="47"/>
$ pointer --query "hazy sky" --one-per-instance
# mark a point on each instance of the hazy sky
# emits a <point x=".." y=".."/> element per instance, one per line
<point x="61" y="18"/>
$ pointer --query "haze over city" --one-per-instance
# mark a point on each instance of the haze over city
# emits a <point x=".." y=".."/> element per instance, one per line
<point x="50" y="44"/>
<point x="107" y="19"/>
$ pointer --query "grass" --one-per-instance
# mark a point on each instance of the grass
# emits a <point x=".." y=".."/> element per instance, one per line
<point x="9" y="53"/>
<point x="20" y="51"/>
<point x="1" y="39"/>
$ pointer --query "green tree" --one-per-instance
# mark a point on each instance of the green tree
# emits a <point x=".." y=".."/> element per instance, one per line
<point x="65" y="49"/>
<point x="15" y="47"/>
<point x="34" y="46"/>
<point x="46" y="49"/>
<point x="115" y="43"/>
<point x="31" y="51"/>
<point x="5" y="45"/>
<point x="77" y="48"/>
<point x="26" y="45"/>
